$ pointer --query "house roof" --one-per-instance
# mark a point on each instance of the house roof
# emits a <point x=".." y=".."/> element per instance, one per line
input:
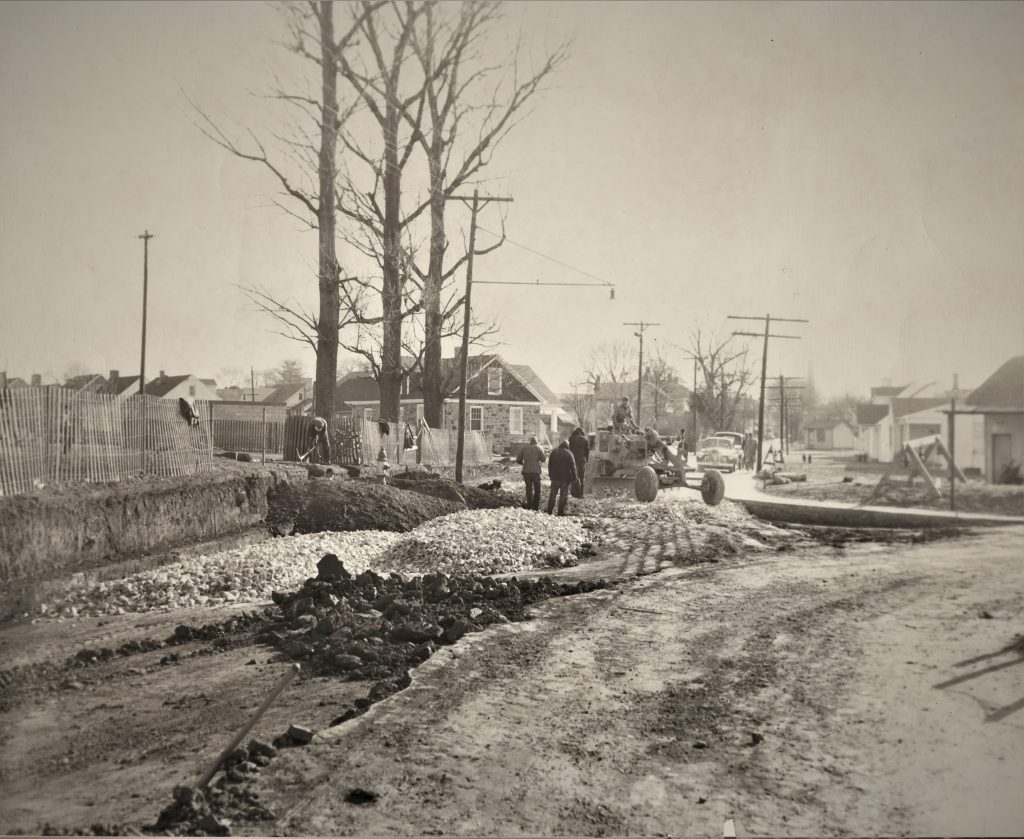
<point x="163" y="386"/>
<point x="282" y="393"/>
<point x="1004" y="389"/>
<point x="826" y="423"/>
<point x="211" y="382"/>
<point x="125" y="384"/>
<point x="887" y="390"/>
<point x="871" y="414"/>
<point x="83" y="381"/>
<point x="361" y="388"/>
<point x="535" y="383"/>
<point x="902" y="407"/>
<point x="17" y="381"/>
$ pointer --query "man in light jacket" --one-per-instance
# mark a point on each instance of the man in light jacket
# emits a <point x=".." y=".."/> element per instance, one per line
<point x="531" y="457"/>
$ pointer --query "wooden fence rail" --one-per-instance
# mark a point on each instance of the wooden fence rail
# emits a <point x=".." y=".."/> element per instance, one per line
<point x="51" y="435"/>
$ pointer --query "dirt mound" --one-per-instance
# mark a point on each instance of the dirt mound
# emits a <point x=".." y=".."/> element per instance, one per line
<point x="339" y="504"/>
<point x="412" y="498"/>
<point x="470" y="497"/>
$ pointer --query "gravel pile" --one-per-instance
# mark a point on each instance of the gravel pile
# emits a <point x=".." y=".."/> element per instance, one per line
<point x="497" y="541"/>
<point x="242" y="575"/>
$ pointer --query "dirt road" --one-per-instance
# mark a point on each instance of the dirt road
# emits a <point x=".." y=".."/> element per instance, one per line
<point x="799" y="691"/>
<point x="856" y="692"/>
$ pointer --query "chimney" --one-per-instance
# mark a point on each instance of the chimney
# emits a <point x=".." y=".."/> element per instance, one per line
<point x="161" y="374"/>
<point x="115" y="377"/>
<point x="37" y="380"/>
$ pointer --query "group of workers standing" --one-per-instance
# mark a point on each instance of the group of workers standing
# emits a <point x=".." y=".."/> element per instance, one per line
<point x="567" y="467"/>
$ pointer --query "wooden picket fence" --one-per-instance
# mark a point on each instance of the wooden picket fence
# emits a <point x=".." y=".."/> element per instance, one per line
<point x="54" y="436"/>
<point x="358" y="441"/>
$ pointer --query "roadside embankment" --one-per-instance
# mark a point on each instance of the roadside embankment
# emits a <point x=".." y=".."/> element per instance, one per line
<point x="62" y="532"/>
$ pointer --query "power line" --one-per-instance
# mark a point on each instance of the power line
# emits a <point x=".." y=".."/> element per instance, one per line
<point x="549" y="258"/>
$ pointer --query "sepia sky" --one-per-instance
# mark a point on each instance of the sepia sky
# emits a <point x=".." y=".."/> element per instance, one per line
<point x="860" y="165"/>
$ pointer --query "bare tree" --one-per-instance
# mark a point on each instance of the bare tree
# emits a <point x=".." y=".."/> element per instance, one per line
<point x="453" y="69"/>
<point x="313" y="201"/>
<point x="580" y="403"/>
<point x="610" y="362"/>
<point x="659" y="375"/>
<point x="725" y="374"/>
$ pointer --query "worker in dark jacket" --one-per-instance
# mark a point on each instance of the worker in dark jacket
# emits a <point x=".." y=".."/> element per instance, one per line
<point x="531" y="457"/>
<point x="320" y="441"/>
<point x="580" y="449"/>
<point x="562" y="472"/>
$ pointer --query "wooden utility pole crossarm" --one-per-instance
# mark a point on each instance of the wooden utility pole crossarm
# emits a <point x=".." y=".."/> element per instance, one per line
<point x="764" y="367"/>
<point x="642" y="325"/>
<point x="475" y="202"/>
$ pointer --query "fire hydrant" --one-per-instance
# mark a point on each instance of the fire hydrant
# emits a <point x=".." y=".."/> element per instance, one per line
<point x="382" y="468"/>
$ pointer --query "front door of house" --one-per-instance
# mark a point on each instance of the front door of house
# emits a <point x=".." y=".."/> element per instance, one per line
<point x="1000" y="454"/>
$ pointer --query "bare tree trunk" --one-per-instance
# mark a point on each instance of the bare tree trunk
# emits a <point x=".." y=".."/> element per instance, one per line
<point x="433" y="390"/>
<point x="393" y="281"/>
<point x="327" y="323"/>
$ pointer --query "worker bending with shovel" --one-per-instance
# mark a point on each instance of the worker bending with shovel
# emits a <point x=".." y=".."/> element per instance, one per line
<point x="319" y="450"/>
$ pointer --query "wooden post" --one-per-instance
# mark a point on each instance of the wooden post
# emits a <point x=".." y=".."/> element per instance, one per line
<point x="952" y="451"/>
<point x="263" y="459"/>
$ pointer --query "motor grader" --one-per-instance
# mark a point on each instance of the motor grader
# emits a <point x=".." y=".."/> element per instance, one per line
<point x="645" y="459"/>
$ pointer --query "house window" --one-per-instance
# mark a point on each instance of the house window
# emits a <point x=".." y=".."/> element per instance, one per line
<point x="419" y="413"/>
<point x="367" y="414"/>
<point x="405" y="386"/>
<point x="476" y="418"/>
<point x="821" y="435"/>
<point x="515" y="419"/>
<point x="191" y="390"/>
<point x="494" y="380"/>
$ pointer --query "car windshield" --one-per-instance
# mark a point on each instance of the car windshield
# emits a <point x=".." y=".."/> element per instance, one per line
<point x="716" y="443"/>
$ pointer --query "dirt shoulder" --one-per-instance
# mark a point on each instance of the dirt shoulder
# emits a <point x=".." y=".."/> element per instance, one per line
<point x="828" y="480"/>
<point x="797" y="695"/>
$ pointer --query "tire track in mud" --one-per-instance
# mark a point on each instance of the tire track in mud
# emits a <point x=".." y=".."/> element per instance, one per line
<point x="588" y="721"/>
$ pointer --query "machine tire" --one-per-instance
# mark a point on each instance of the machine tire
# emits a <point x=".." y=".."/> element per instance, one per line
<point x="645" y="485"/>
<point x="712" y="488"/>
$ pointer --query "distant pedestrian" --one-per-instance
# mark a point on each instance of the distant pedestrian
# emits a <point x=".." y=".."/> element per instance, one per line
<point x="683" y="450"/>
<point x="530" y="458"/>
<point x="562" y="472"/>
<point x="749" y="451"/>
<point x="580" y="449"/>
<point x="319" y="441"/>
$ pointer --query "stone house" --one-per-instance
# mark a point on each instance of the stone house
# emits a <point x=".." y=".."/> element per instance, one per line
<point x="503" y="401"/>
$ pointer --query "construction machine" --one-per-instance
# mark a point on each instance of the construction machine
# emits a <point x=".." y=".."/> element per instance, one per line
<point x="643" y="458"/>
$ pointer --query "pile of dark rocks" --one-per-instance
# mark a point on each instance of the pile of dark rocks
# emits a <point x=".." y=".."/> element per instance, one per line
<point x="372" y="627"/>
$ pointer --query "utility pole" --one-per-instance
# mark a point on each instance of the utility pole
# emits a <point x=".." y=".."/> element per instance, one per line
<point x="640" y="369"/>
<point x="460" y="446"/>
<point x="785" y="405"/>
<point x="145" y="294"/>
<point x="145" y="236"/>
<point x="764" y="367"/>
<point x="952" y="443"/>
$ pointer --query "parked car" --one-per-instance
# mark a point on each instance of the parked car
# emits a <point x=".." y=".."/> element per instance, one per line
<point x="717" y="453"/>
<point x="735" y="436"/>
